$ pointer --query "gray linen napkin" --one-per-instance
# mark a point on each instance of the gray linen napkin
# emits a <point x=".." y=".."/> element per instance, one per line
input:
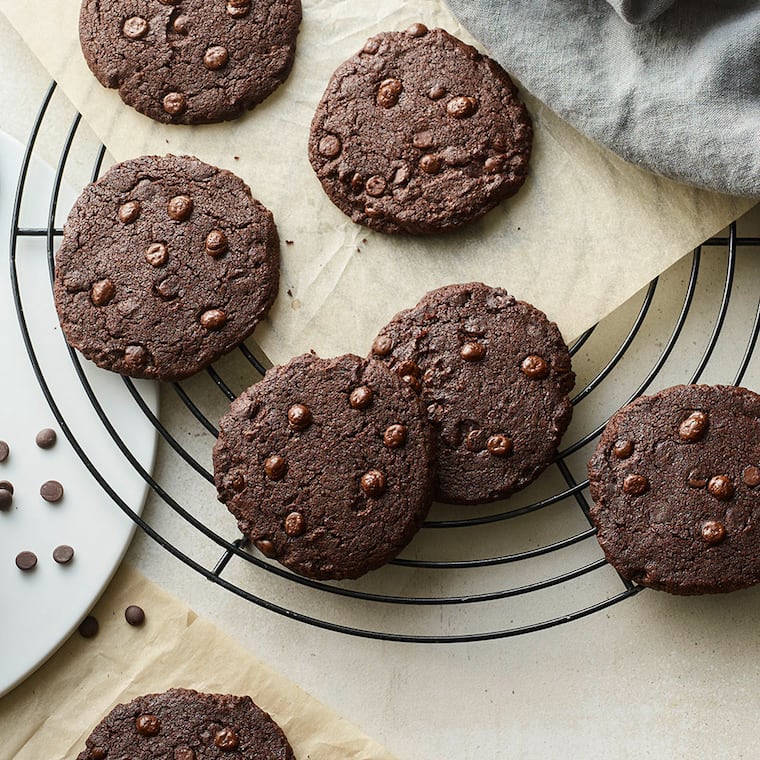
<point x="640" y="11"/>
<point x="679" y="96"/>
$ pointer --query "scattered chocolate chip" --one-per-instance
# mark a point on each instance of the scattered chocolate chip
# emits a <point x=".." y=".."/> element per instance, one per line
<point x="179" y="207"/>
<point x="472" y="351"/>
<point x="89" y="627"/>
<point x="330" y="146"/>
<point x="174" y="103"/>
<point x="394" y="436"/>
<point x="5" y="449"/>
<point x="430" y="163"/>
<point x="499" y="445"/>
<point x="226" y="739"/>
<point x="423" y="140"/>
<point x="721" y="487"/>
<point x="6" y="499"/>
<point x="495" y="164"/>
<point x="134" y="615"/>
<point x="382" y="345"/>
<point x="46" y="438"/>
<point x="237" y="481"/>
<point x="216" y="57"/>
<point x="63" y="554"/>
<point x="213" y="319"/>
<point x="373" y="483"/>
<point x="693" y="427"/>
<point x="156" y="254"/>
<point x="102" y="292"/>
<point x="436" y="92"/>
<point x="696" y="480"/>
<point x="371" y="46"/>
<point x="535" y="367"/>
<point x="6" y="485"/>
<point x="266" y="547"/>
<point x="238" y="10"/>
<point x="376" y="186"/>
<point x="168" y="288"/>
<point x="216" y="243"/>
<point x="181" y="25"/>
<point x="135" y="28"/>
<point x="635" y="485"/>
<point x="417" y="30"/>
<point x="147" y="725"/>
<point x="360" y="397"/>
<point x="388" y="92"/>
<point x="713" y="531"/>
<point x="184" y="753"/>
<point x="408" y="367"/>
<point x="299" y="416"/>
<point x="26" y="560"/>
<point x="461" y="106"/>
<point x="51" y="490"/>
<point x="275" y="467"/>
<point x="129" y="211"/>
<point x="751" y="476"/>
<point x="135" y="356"/>
<point x="412" y="382"/>
<point x="622" y="448"/>
<point x="295" y="524"/>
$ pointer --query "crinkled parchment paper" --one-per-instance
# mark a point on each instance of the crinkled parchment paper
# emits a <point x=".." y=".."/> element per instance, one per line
<point x="49" y="716"/>
<point x="586" y="231"/>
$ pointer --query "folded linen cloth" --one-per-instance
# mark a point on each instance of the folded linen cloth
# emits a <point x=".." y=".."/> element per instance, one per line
<point x="679" y="96"/>
<point x="640" y="11"/>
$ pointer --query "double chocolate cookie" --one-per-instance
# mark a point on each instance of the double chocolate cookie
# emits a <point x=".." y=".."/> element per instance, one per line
<point x="181" y="724"/>
<point x="675" y="480"/>
<point x="190" y="61"/>
<point x="494" y="374"/>
<point x="326" y="464"/>
<point x="166" y="263"/>
<point x="419" y="133"/>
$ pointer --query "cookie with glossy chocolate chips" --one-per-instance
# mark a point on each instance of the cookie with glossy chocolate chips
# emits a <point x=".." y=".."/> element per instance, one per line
<point x="675" y="480"/>
<point x="183" y="724"/>
<point x="494" y="374"/>
<point x="166" y="264"/>
<point x="326" y="464"/>
<point x="190" y="61"/>
<point x="419" y="133"/>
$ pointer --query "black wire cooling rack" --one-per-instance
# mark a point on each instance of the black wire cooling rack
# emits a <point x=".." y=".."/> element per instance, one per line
<point x="473" y="573"/>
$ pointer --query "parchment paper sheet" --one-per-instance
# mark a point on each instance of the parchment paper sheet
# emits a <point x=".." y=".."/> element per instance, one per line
<point x="585" y="232"/>
<point x="49" y="716"/>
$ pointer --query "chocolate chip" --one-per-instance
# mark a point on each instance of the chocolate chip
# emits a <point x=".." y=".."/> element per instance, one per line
<point x="388" y="92"/>
<point x="693" y="427"/>
<point x="237" y="482"/>
<point x="135" y="28"/>
<point x="295" y="524"/>
<point x="330" y="146"/>
<point x="695" y="479"/>
<point x="408" y="367"/>
<point x="181" y="25"/>
<point x="213" y="319"/>
<point x="275" y="467"/>
<point x="423" y="140"/>
<point x="373" y="483"/>
<point x="376" y="186"/>
<point x="179" y="207"/>
<point x="6" y="500"/>
<point x="46" y="438"/>
<point x="472" y="351"/>
<point x="51" y="490"/>
<point x="721" y="487"/>
<point x="394" y="436"/>
<point x="713" y="531"/>
<point x="174" y="103"/>
<point x="535" y="367"/>
<point x="499" y="445"/>
<point x="430" y="163"/>
<point x="5" y="449"/>
<point x="495" y="164"/>
<point x="147" y="725"/>
<point x="751" y="476"/>
<point x="371" y="46"/>
<point x="299" y="416"/>
<point x="382" y="345"/>
<point x="373" y="212"/>
<point x="435" y="413"/>
<point x="96" y="753"/>
<point x="417" y="30"/>
<point x="26" y="560"/>
<point x="360" y="397"/>
<point x="102" y="292"/>
<point x="184" y="753"/>
<point x="216" y="243"/>
<point x="129" y="211"/>
<point x="357" y="183"/>
<point x="226" y="739"/>
<point x="622" y="448"/>
<point x="89" y="627"/>
<point x="237" y="11"/>
<point x="63" y="554"/>
<point x="266" y="547"/>
<point x="216" y="57"/>
<point x="436" y="92"/>
<point x="134" y="615"/>
<point x="461" y="106"/>
<point x="635" y="485"/>
<point x="135" y="356"/>
<point x="412" y="382"/>
<point x="156" y="254"/>
<point x="168" y="288"/>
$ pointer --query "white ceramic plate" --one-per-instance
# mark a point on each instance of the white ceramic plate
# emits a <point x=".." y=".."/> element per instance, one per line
<point x="42" y="607"/>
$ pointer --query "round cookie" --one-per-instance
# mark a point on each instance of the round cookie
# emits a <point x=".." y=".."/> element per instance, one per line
<point x="183" y="724"/>
<point x="325" y="463"/>
<point x="190" y="61"/>
<point x="675" y="480"/>
<point x="166" y="263"/>
<point x="494" y="374"/>
<point x="419" y="133"/>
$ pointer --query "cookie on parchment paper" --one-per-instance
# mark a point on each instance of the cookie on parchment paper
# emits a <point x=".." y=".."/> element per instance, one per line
<point x="190" y="61"/>
<point x="166" y="264"/>
<point x="675" y="480"/>
<point x="326" y="464"/>
<point x="419" y="133"/>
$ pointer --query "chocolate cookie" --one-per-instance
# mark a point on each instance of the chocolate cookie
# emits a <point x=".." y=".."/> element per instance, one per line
<point x="494" y="374"/>
<point x="675" y="480"/>
<point x="181" y="724"/>
<point x="325" y="463"/>
<point x="166" y="263"/>
<point x="419" y="133"/>
<point x="190" y="61"/>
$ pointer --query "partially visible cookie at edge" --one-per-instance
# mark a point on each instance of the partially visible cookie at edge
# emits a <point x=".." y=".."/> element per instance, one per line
<point x="675" y="480"/>
<point x="190" y="62"/>
<point x="326" y="465"/>
<point x="493" y="373"/>
<point x="166" y="264"/>
<point x="419" y="133"/>
<point x="183" y="724"/>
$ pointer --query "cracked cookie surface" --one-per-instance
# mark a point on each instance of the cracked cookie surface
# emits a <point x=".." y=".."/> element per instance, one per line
<point x="419" y="133"/>
<point x="326" y="464"/>
<point x="166" y="264"/>
<point x="190" y="61"/>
